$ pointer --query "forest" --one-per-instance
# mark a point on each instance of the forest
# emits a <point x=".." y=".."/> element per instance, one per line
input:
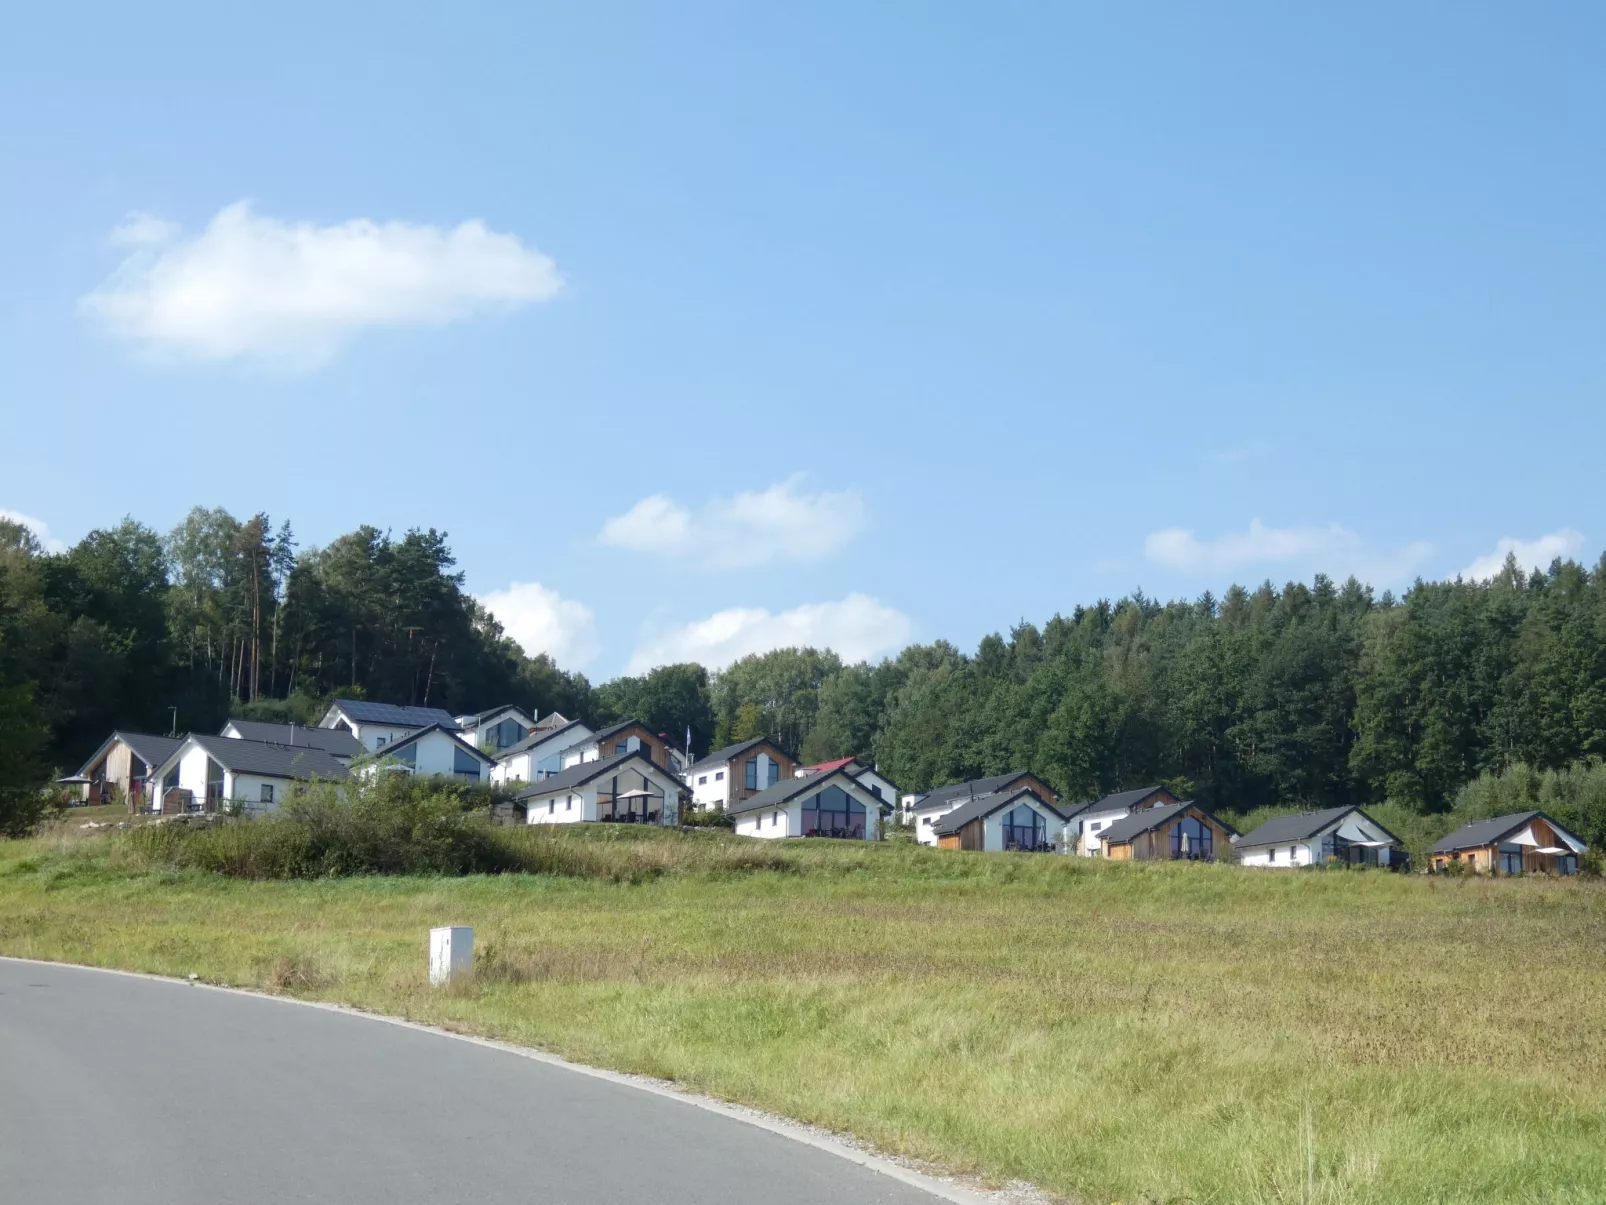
<point x="1304" y="695"/>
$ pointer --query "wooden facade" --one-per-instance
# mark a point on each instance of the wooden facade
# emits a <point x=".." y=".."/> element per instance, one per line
<point x="657" y="748"/>
<point x="736" y="770"/>
<point x="971" y="835"/>
<point x="1489" y="859"/>
<point x="1154" y="845"/>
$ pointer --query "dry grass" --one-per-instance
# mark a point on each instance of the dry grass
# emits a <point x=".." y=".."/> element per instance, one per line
<point x="1110" y="1032"/>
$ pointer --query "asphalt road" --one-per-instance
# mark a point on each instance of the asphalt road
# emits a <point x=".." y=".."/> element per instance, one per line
<point x="144" y="1092"/>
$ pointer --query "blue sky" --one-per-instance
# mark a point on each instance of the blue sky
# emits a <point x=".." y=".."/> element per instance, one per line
<point x="702" y="328"/>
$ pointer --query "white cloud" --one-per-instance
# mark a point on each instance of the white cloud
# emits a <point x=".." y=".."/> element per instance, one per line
<point x="1333" y="549"/>
<point x="143" y="230"/>
<point x="543" y="621"/>
<point x="752" y="528"/>
<point x="39" y="527"/>
<point x="857" y="628"/>
<point x="1530" y="554"/>
<point x="290" y="294"/>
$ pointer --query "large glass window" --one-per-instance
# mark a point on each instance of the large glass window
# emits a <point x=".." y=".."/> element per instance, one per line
<point x="465" y="764"/>
<point x="752" y="774"/>
<point x="833" y="813"/>
<point x="630" y="798"/>
<point x="1024" y="828"/>
<point x="1511" y="859"/>
<point x="1192" y="839"/>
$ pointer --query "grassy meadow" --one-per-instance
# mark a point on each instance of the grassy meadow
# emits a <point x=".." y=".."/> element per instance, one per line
<point x="1110" y="1032"/>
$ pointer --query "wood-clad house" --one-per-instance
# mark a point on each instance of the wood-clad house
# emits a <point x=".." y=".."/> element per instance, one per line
<point x="728" y="776"/>
<point x="1170" y="832"/>
<point x="928" y="810"/>
<point x="1089" y="821"/>
<point x="1018" y="819"/>
<point x="625" y="736"/>
<point x="120" y="770"/>
<point x="1521" y="843"/>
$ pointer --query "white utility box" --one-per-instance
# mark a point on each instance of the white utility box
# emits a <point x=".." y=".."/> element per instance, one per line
<point x="451" y="952"/>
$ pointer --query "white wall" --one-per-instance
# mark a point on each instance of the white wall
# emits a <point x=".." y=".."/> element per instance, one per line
<point x="993" y="826"/>
<point x="926" y="820"/>
<point x="247" y="789"/>
<point x="870" y="779"/>
<point x="1090" y="824"/>
<point x="569" y="807"/>
<point x="1309" y="851"/>
<point x="192" y="773"/>
<point x="783" y="821"/>
<point x="374" y="737"/>
<point x="710" y="786"/>
<point x="436" y="754"/>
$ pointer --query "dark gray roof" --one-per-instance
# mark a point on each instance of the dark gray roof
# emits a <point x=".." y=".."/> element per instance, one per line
<point x="789" y="789"/>
<point x="582" y="773"/>
<point x="1300" y="826"/>
<point x="552" y="721"/>
<point x="1121" y="799"/>
<point x="986" y="805"/>
<point x="535" y="738"/>
<point x="395" y="714"/>
<point x="270" y="761"/>
<point x="720" y="756"/>
<point x="337" y="741"/>
<point x="1486" y="832"/>
<point x="474" y="721"/>
<point x="976" y="786"/>
<point x="1124" y="829"/>
<point x="453" y="732"/>
<point x="152" y="749"/>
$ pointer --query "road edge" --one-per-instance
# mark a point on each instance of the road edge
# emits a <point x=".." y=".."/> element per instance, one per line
<point x="819" y="1139"/>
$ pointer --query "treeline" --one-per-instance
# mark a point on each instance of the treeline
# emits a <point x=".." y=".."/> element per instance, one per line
<point x="1304" y="696"/>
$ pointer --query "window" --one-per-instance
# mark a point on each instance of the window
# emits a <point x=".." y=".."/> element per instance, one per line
<point x="551" y="806"/>
<point x="1272" y="856"/>
<point x="1192" y="840"/>
<point x="833" y="813"/>
<point x="752" y="774"/>
<point x="1511" y="859"/>
<point x="267" y="792"/>
<point x="775" y="820"/>
<point x="720" y="777"/>
<point x="875" y="790"/>
<point x="381" y="742"/>
<point x="622" y="747"/>
<point x="702" y="780"/>
<point x="1024" y="828"/>
<point x="926" y="820"/>
<point x="465" y="764"/>
<point x="568" y="803"/>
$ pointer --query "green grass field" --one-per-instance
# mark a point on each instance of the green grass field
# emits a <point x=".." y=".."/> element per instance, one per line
<point x="1111" y="1032"/>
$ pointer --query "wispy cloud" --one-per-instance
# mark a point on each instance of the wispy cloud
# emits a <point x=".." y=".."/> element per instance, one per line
<point x="1530" y="554"/>
<point x="39" y="527"/>
<point x="1332" y="549"/>
<point x="291" y="294"/>
<point x="753" y="528"/>
<point x="543" y="621"/>
<point x="857" y="628"/>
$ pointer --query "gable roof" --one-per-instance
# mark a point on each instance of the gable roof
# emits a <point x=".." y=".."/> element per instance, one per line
<point x="337" y="741"/>
<point x="394" y="714"/>
<point x="269" y="761"/>
<point x="1128" y="827"/>
<point x="825" y="766"/>
<point x="720" y="756"/>
<point x="537" y="737"/>
<point x="451" y="733"/>
<point x="153" y="750"/>
<point x="1489" y="832"/>
<point x="950" y="794"/>
<point x="583" y="772"/>
<point x="789" y="789"/>
<point x="1302" y="825"/>
<point x="620" y="725"/>
<point x="478" y="718"/>
<point x="552" y="721"/>
<point x="986" y="805"/>
<point x="1120" y="799"/>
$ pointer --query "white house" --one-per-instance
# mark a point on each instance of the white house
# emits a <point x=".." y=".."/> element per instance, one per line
<point x="376" y="725"/>
<point x="211" y="773"/>
<point x="497" y="729"/>
<point x="727" y="776"/>
<point x="436" y="752"/>
<point x="1310" y="838"/>
<point x="1089" y="821"/>
<point x="880" y="785"/>
<point x="539" y="755"/>
<point x="1017" y="819"/>
<point x="928" y="809"/>
<point x="833" y="804"/>
<point x="624" y="736"/>
<point x="337" y="742"/>
<point x="627" y="788"/>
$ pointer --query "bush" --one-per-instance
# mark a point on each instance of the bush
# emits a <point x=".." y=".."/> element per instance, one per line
<point x="707" y="818"/>
<point x="390" y="824"/>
